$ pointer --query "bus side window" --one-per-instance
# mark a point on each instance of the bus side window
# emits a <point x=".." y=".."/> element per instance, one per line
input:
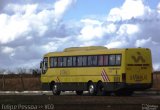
<point x="74" y="61"/>
<point x="69" y="61"/>
<point x="89" y="60"/>
<point x="79" y="60"/>
<point x="64" y="62"/>
<point x="100" y="60"/>
<point x="118" y="59"/>
<point x="84" y="61"/>
<point x="94" y="60"/>
<point x="51" y="62"/>
<point x="55" y="62"/>
<point x="105" y="60"/>
<point x="60" y="61"/>
<point x="112" y="60"/>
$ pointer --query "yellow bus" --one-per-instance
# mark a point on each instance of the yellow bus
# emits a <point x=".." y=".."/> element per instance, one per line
<point x="97" y="70"/>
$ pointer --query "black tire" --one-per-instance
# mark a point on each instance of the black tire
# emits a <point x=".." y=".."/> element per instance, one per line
<point x="100" y="89"/>
<point x="92" y="89"/>
<point x="55" y="90"/>
<point x="79" y="92"/>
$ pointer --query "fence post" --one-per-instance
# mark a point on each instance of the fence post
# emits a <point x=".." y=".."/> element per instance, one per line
<point x="39" y="77"/>
<point x="22" y="82"/>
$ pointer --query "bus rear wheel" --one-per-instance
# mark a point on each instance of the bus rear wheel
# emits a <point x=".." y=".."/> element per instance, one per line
<point x="55" y="90"/>
<point x="100" y="89"/>
<point x="79" y="92"/>
<point x="92" y="89"/>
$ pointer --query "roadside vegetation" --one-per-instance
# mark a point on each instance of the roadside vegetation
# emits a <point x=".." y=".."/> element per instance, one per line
<point x="29" y="80"/>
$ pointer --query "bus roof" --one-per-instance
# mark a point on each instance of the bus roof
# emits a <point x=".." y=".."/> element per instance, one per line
<point x="92" y="50"/>
<point x="84" y="48"/>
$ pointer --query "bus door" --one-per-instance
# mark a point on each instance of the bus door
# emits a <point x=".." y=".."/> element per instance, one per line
<point x="44" y="65"/>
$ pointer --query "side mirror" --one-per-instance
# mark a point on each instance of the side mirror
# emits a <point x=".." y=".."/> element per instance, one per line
<point x="41" y="64"/>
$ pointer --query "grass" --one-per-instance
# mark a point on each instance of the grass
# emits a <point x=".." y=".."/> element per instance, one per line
<point x="20" y="83"/>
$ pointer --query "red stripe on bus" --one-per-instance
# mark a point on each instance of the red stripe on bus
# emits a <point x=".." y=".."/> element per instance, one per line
<point x="105" y="75"/>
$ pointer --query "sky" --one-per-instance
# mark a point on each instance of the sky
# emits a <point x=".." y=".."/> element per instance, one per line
<point x="31" y="28"/>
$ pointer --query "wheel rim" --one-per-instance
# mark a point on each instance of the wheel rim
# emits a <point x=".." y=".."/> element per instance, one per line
<point x="54" y="89"/>
<point x="91" y="89"/>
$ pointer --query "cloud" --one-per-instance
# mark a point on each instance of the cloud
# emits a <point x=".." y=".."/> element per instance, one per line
<point x="61" y="6"/>
<point x="12" y="28"/>
<point x="111" y="28"/>
<point x="156" y="66"/>
<point x="125" y="27"/>
<point x="7" y="50"/>
<point x="142" y="42"/>
<point x="130" y="9"/>
<point x="136" y="27"/>
<point x="29" y="29"/>
<point x="158" y="8"/>
<point x="116" y="44"/>
<point x="94" y="29"/>
<point x="91" y="29"/>
<point x="128" y="29"/>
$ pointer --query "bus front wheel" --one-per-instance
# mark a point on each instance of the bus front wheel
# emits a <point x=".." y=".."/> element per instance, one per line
<point x="92" y="89"/>
<point x="55" y="90"/>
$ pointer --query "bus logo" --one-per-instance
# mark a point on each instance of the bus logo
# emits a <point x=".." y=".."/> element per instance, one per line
<point x="138" y="58"/>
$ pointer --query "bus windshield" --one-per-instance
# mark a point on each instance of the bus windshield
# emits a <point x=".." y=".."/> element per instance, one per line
<point x="44" y="65"/>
